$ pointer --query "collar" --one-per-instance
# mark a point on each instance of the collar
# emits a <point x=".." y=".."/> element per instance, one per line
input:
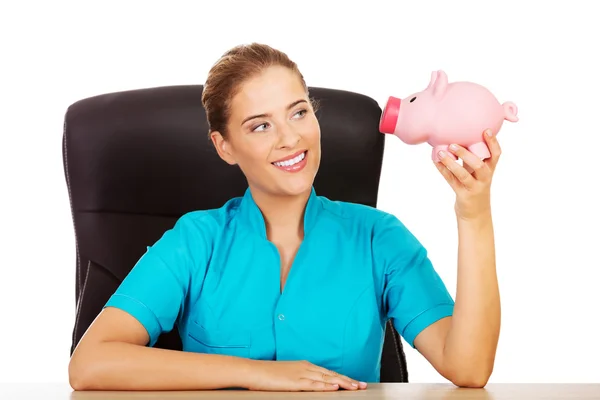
<point x="255" y="221"/>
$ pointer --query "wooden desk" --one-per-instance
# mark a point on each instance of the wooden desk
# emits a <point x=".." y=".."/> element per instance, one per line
<point x="374" y="392"/>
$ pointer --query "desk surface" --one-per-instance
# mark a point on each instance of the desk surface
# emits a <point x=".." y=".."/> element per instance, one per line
<point x="374" y="392"/>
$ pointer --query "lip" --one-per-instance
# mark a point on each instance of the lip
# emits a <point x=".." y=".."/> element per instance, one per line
<point x="293" y="168"/>
<point x="290" y="157"/>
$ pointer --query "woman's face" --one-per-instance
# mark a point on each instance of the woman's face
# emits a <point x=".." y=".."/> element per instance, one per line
<point x="273" y="134"/>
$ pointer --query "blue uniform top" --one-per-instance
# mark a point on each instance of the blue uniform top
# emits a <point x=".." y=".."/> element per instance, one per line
<point x="216" y="277"/>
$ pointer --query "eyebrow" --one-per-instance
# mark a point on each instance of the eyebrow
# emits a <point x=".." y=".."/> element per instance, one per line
<point x="295" y="103"/>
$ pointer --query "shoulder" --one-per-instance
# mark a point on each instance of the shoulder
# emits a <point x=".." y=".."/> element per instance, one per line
<point x="195" y="232"/>
<point x="364" y="216"/>
<point x="209" y="221"/>
<point x="386" y="232"/>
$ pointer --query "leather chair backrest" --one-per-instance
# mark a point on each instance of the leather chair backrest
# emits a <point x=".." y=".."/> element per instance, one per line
<point x="137" y="160"/>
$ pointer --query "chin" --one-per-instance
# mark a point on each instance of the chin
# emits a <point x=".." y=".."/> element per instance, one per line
<point x="293" y="182"/>
<point x="293" y="185"/>
<point x="297" y="190"/>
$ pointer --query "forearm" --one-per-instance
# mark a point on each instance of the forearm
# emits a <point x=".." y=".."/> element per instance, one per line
<point x="123" y="366"/>
<point x="471" y="343"/>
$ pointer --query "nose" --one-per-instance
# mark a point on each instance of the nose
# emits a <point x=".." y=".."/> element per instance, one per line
<point x="288" y="136"/>
<point x="389" y="116"/>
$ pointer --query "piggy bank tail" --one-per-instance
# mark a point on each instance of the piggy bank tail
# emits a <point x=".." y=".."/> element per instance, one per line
<point x="510" y="111"/>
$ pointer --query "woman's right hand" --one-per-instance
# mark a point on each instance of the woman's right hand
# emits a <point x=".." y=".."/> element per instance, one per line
<point x="296" y="376"/>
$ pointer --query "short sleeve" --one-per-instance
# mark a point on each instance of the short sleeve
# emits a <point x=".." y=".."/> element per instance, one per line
<point x="414" y="295"/>
<point x="155" y="290"/>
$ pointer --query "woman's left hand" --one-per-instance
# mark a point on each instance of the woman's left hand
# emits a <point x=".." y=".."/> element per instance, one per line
<point x="471" y="181"/>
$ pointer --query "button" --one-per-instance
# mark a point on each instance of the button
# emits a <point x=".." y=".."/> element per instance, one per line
<point x="281" y="317"/>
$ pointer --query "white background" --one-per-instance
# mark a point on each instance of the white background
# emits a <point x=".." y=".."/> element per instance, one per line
<point x="543" y="56"/>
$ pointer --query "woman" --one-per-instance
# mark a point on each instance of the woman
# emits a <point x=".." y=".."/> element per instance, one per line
<point x="247" y="318"/>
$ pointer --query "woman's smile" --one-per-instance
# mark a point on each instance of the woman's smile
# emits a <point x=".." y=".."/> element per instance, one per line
<point x="294" y="163"/>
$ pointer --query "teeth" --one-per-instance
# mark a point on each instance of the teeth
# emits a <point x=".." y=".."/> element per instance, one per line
<point x="289" y="163"/>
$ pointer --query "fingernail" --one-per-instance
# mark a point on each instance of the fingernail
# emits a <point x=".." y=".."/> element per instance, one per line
<point x="488" y="132"/>
<point x="363" y="383"/>
<point x="354" y="384"/>
<point x="441" y="154"/>
<point x="453" y="147"/>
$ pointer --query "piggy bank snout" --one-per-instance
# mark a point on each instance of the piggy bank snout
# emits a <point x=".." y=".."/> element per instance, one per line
<point x="389" y="117"/>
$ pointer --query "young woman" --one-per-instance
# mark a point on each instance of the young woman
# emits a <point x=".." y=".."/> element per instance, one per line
<point x="282" y="289"/>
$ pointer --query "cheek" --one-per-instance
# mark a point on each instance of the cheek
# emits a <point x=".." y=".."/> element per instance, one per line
<point x="313" y="131"/>
<point x="255" y="152"/>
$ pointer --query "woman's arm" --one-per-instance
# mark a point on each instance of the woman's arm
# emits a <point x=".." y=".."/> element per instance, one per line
<point x="471" y="343"/>
<point x="463" y="347"/>
<point x="112" y="355"/>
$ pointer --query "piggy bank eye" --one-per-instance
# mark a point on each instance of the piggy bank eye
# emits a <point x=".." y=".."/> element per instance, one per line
<point x="413" y="99"/>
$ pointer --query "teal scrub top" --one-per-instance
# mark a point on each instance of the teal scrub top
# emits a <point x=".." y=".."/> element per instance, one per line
<point x="216" y="276"/>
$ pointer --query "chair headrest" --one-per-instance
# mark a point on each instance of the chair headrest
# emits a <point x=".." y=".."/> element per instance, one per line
<point x="147" y="151"/>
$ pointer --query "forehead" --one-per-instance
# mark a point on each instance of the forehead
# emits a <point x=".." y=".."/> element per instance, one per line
<point x="268" y="92"/>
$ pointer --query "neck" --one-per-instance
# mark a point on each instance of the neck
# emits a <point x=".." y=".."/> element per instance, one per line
<point x="284" y="215"/>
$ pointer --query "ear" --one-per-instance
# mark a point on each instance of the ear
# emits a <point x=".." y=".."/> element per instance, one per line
<point x="441" y="84"/>
<point x="434" y="75"/>
<point x="223" y="147"/>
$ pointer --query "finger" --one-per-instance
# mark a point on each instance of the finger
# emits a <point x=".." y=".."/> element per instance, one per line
<point x="333" y="377"/>
<point x="340" y="380"/>
<point x="463" y="176"/>
<point x="321" y="370"/>
<point x="317" y="385"/>
<point x="468" y="168"/>
<point x="354" y="382"/>
<point x="448" y="176"/>
<point x="471" y="163"/>
<point x="492" y="142"/>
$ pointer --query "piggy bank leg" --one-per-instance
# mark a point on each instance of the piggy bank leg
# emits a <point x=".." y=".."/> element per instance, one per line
<point x="436" y="149"/>
<point x="480" y="150"/>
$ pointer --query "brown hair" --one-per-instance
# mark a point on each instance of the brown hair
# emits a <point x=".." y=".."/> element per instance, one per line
<point x="231" y="70"/>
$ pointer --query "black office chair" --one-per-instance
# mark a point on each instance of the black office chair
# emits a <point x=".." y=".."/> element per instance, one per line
<point x="137" y="160"/>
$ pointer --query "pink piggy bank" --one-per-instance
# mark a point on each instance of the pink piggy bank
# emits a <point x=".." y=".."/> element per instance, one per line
<point x="446" y="113"/>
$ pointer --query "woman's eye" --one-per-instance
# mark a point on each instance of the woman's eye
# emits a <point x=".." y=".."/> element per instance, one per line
<point x="263" y="126"/>
<point x="303" y="112"/>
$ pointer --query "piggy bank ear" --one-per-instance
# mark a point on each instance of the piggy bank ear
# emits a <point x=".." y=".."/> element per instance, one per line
<point x="440" y="84"/>
<point x="434" y="75"/>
